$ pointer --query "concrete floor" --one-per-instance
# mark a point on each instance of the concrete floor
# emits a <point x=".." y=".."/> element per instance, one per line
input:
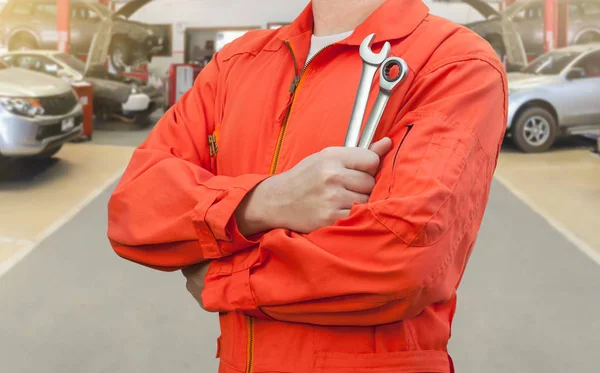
<point x="529" y="301"/>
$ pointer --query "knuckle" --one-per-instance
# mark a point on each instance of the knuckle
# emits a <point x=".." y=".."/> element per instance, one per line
<point x="329" y="152"/>
<point x="330" y="174"/>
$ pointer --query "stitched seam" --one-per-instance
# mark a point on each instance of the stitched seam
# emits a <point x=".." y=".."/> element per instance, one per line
<point x="446" y="200"/>
<point x="224" y="362"/>
<point x="455" y="59"/>
<point x="471" y="58"/>
<point x="435" y="274"/>
<point x="438" y="271"/>
<point x="375" y="215"/>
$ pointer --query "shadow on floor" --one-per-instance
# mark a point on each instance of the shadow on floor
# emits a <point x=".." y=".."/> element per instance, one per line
<point x="565" y="143"/>
<point x="13" y="173"/>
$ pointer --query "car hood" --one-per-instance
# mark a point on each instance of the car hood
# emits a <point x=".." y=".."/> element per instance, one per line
<point x="485" y="9"/>
<point x="522" y="80"/>
<point x="131" y="7"/>
<point x="16" y="82"/>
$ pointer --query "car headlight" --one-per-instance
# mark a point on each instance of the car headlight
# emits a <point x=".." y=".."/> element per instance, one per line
<point x="28" y="107"/>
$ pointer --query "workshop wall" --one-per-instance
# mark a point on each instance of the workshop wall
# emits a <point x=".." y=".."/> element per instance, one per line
<point x="212" y="13"/>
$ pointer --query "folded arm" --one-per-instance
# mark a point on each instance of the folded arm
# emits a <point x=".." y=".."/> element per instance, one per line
<point x="405" y="249"/>
<point x="167" y="211"/>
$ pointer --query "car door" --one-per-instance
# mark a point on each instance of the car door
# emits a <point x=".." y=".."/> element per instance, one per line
<point x="582" y="93"/>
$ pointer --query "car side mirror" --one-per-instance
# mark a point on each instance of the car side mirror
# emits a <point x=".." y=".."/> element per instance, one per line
<point x="576" y="73"/>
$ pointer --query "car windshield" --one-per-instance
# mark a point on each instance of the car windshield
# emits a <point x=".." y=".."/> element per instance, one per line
<point x="103" y="10"/>
<point x="513" y="9"/>
<point x="72" y="62"/>
<point x="552" y="63"/>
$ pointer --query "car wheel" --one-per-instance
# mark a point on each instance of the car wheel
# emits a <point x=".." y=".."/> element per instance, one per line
<point x="535" y="130"/>
<point x="120" y="53"/>
<point x="22" y="42"/>
<point x="588" y="37"/>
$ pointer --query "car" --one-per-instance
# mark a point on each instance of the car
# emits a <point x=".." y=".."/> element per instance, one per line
<point x="528" y="17"/>
<point x="31" y="24"/>
<point x="38" y="113"/>
<point x="484" y="20"/>
<point x="556" y="95"/>
<point x="113" y="94"/>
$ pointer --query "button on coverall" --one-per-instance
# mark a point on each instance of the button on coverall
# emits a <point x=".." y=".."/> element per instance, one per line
<point x="376" y="291"/>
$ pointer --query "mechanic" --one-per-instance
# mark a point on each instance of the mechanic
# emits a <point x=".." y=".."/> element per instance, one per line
<point x="318" y="257"/>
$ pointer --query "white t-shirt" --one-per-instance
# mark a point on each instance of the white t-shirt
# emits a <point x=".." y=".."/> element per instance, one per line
<point x="319" y="42"/>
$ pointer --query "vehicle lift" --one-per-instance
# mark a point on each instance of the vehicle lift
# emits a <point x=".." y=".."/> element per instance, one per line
<point x="83" y="90"/>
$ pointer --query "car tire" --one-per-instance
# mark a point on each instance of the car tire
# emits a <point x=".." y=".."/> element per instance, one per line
<point x="22" y="42"/>
<point x="120" y="53"/>
<point x="588" y="37"/>
<point x="535" y="130"/>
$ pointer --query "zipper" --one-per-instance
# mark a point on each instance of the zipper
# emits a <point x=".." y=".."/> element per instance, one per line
<point x="250" y="344"/>
<point x="293" y="90"/>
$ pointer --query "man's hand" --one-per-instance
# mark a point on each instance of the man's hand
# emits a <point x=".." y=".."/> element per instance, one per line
<point x="195" y="280"/>
<point x="315" y="193"/>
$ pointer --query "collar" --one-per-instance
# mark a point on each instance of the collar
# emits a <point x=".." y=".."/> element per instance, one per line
<point x="395" y="19"/>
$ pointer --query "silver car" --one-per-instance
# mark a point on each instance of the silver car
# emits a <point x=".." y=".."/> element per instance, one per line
<point x="38" y="113"/>
<point x="557" y="94"/>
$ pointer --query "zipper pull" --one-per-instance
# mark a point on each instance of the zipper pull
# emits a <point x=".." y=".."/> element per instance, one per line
<point x="294" y="84"/>
<point x="212" y="145"/>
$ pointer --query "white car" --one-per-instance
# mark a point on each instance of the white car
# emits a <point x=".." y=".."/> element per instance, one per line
<point x="113" y="94"/>
<point x="38" y="114"/>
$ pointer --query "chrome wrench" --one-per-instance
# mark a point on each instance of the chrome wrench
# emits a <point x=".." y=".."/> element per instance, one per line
<point x="371" y="62"/>
<point x="387" y="84"/>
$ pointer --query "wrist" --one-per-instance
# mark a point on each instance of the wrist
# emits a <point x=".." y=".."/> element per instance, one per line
<point x="257" y="212"/>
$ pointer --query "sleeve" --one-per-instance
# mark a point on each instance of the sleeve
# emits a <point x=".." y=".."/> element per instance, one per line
<point x="169" y="211"/>
<point x="408" y="247"/>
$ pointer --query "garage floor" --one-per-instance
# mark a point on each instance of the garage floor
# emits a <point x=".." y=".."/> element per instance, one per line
<point x="529" y="300"/>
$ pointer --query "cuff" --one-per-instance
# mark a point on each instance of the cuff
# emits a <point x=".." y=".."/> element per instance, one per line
<point x="214" y="214"/>
<point x="229" y="292"/>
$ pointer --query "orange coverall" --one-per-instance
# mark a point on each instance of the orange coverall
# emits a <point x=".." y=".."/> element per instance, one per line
<point x="375" y="292"/>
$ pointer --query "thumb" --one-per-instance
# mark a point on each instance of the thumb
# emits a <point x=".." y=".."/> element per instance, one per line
<point x="382" y="147"/>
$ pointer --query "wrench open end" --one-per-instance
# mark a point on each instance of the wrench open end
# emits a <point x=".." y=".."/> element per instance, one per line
<point x="370" y="57"/>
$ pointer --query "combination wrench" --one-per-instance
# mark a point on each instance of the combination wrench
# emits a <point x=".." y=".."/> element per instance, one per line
<point x="387" y="83"/>
<point x="371" y="62"/>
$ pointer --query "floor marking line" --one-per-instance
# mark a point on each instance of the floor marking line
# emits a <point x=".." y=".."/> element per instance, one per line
<point x="6" y="265"/>
<point x="17" y="241"/>
<point x="570" y="236"/>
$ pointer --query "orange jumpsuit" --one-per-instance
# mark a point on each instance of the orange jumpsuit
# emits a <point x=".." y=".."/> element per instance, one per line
<point x="375" y="292"/>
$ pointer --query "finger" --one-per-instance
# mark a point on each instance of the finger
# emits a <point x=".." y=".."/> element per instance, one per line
<point x="382" y="147"/>
<point x="360" y="160"/>
<point x="191" y="270"/>
<point x="341" y="214"/>
<point x="357" y="181"/>
<point x="349" y="198"/>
